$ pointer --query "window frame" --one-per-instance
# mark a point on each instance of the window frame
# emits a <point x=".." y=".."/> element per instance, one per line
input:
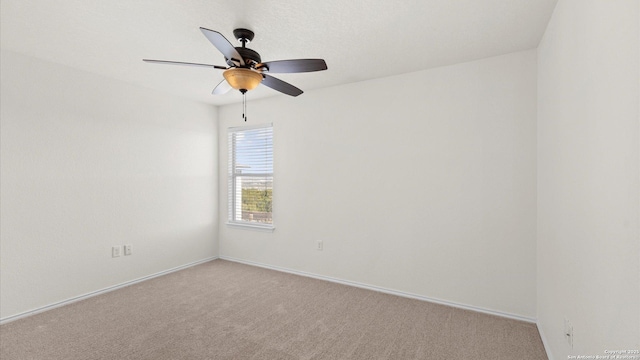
<point x="232" y="176"/>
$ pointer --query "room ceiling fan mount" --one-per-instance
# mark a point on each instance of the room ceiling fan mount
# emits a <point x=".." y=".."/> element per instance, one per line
<point x="243" y="35"/>
<point x="245" y="69"/>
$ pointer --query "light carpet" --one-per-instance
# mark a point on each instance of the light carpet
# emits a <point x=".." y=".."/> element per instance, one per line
<point x="226" y="310"/>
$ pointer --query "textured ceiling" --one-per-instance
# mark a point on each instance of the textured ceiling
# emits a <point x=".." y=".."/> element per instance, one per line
<point x="358" y="39"/>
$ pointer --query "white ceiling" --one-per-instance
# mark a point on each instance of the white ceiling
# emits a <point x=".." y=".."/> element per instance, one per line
<point x="359" y="40"/>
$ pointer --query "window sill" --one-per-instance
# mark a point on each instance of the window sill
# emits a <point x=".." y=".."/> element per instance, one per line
<point x="263" y="228"/>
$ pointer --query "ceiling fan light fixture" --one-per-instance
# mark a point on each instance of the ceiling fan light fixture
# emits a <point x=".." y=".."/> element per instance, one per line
<point x="242" y="79"/>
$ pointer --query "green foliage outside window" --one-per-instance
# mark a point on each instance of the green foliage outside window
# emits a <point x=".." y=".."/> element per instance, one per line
<point x="256" y="200"/>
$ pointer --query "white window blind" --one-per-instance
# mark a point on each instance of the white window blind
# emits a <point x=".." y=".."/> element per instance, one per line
<point x="250" y="190"/>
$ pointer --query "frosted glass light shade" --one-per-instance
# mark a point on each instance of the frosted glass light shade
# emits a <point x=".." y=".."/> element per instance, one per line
<point x="242" y="79"/>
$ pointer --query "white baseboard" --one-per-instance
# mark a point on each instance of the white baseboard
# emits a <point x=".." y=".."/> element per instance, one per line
<point x="384" y="290"/>
<point x="101" y="291"/>
<point x="545" y="343"/>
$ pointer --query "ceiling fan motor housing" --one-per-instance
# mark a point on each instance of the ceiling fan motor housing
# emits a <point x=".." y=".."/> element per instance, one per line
<point x="251" y="57"/>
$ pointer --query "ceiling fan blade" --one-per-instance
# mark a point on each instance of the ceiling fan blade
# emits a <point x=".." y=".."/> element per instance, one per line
<point x="221" y="43"/>
<point x="221" y="88"/>
<point x="279" y="85"/>
<point x="182" y="63"/>
<point x="294" y="66"/>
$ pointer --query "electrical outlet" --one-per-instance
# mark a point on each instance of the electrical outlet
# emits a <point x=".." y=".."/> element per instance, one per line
<point x="115" y="251"/>
<point x="568" y="332"/>
<point x="127" y="250"/>
<point x="319" y="245"/>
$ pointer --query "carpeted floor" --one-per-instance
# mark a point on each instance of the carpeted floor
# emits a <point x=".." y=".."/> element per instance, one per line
<point x="226" y="310"/>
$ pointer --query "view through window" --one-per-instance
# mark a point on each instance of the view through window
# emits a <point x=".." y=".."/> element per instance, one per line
<point x="251" y="175"/>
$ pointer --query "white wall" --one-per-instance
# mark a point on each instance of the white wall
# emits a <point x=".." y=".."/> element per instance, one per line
<point x="87" y="163"/>
<point x="423" y="183"/>
<point x="588" y="189"/>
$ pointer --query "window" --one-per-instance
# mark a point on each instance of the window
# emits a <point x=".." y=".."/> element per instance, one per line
<point x="250" y="190"/>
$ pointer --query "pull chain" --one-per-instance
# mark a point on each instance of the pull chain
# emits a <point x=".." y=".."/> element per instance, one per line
<point x="244" y="106"/>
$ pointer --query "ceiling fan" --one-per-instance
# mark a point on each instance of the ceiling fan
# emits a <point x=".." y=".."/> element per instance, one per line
<point x="245" y="69"/>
